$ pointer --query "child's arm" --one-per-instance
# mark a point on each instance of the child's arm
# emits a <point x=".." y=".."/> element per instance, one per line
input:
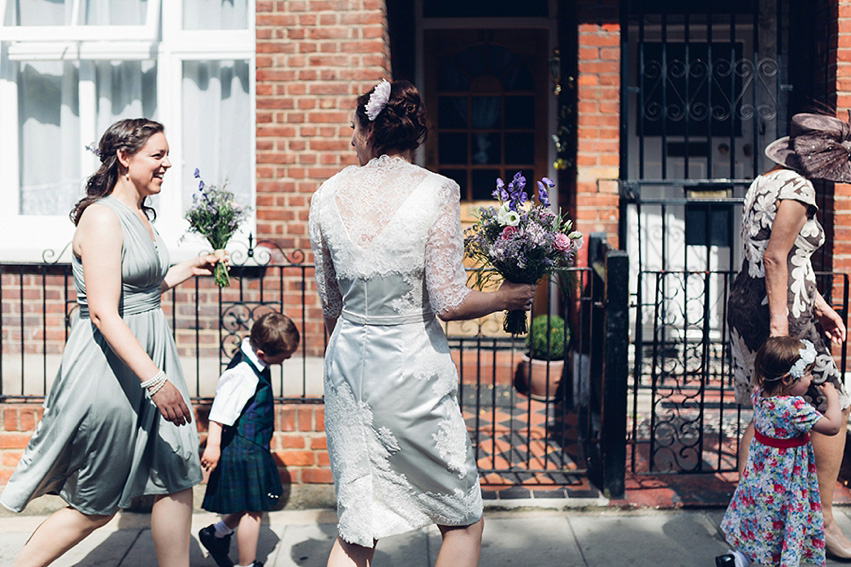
<point x="213" y="450"/>
<point x="831" y="421"/>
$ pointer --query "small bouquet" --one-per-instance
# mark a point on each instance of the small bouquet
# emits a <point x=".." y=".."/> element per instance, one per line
<point x="216" y="216"/>
<point x="522" y="240"/>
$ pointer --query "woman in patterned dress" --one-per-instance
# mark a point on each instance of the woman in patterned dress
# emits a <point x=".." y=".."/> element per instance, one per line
<point x="117" y="421"/>
<point x="775" y="292"/>
<point x="387" y="240"/>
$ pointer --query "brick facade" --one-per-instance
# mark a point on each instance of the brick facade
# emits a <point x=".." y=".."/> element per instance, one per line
<point x="598" y="116"/>
<point x="313" y="58"/>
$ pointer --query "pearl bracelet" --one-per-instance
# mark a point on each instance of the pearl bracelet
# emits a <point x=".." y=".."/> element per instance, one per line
<point x="158" y="377"/>
<point x="154" y="384"/>
<point x="154" y="389"/>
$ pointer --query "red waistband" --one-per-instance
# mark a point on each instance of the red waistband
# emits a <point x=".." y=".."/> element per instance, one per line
<point x="798" y="441"/>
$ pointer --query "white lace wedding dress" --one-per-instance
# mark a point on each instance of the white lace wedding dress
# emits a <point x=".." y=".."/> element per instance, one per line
<point x="388" y="247"/>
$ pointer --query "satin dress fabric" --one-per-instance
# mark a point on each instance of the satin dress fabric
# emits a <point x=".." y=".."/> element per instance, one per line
<point x="400" y="453"/>
<point x="102" y="440"/>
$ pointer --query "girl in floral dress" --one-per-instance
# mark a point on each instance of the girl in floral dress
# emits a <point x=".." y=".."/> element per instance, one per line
<point x="775" y="516"/>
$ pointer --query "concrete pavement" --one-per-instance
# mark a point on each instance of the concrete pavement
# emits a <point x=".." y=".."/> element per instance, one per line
<point x="557" y="536"/>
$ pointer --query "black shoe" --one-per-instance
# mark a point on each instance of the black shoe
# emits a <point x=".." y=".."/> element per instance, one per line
<point x="217" y="546"/>
<point x="726" y="560"/>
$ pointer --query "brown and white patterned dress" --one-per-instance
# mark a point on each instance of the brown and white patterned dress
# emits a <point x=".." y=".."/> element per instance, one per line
<point x="747" y="306"/>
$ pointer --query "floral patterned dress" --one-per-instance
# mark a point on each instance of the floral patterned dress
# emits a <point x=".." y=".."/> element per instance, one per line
<point x="775" y="515"/>
<point x="747" y="306"/>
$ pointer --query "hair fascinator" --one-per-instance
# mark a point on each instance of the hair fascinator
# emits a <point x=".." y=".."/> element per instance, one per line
<point x="817" y="146"/>
<point x="377" y="100"/>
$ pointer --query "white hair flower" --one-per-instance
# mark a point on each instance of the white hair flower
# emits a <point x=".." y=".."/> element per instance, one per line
<point x="377" y="100"/>
<point x="807" y="356"/>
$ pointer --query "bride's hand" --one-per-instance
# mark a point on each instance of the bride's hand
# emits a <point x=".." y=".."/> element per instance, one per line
<point x="517" y="296"/>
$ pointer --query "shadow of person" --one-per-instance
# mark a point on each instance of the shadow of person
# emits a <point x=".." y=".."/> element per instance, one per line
<point x="404" y="550"/>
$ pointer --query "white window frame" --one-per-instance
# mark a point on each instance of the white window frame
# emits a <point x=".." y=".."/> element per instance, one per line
<point x="26" y="237"/>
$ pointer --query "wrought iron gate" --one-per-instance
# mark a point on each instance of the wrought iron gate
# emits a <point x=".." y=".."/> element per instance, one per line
<point x="705" y="86"/>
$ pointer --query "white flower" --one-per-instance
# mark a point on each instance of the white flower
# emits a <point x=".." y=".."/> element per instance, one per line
<point x="507" y="217"/>
<point x="377" y="100"/>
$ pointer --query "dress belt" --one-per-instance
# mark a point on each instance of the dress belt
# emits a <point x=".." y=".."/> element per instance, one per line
<point x="798" y="441"/>
<point x="140" y="304"/>
<point x="387" y="320"/>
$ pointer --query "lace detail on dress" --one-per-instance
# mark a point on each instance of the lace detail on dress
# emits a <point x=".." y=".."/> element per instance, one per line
<point x="324" y="273"/>
<point x="451" y="441"/>
<point x="360" y="520"/>
<point x="444" y="269"/>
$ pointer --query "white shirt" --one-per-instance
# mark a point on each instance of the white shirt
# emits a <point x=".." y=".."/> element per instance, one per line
<point x="236" y="386"/>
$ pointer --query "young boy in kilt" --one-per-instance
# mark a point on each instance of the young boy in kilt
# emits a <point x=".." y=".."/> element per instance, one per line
<point x="244" y="478"/>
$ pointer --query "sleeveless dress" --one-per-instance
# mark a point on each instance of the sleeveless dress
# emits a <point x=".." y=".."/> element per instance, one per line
<point x="388" y="248"/>
<point x="246" y="477"/>
<point x="775" y="516"/>
<point x="102" y="440"/>
<point x="747" y="305"/>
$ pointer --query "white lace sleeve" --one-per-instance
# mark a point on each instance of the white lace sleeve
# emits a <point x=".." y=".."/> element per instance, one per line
<point x="326" y="276"/>
<point x="444" y="254"/>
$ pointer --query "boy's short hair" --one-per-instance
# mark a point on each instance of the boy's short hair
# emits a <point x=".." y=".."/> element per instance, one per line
<point x="274" y="333"/>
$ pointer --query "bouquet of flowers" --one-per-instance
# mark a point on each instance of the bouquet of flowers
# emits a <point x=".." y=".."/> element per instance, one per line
<point x="522" y="240"/>
<point x="216" y="216"/>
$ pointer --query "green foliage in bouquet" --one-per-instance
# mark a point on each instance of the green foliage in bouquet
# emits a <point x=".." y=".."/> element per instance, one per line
<point x="545" y="329"/>
<point x="216" y="216"/>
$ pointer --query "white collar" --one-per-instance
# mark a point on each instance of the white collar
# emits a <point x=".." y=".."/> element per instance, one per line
<point x="249" y="353"/>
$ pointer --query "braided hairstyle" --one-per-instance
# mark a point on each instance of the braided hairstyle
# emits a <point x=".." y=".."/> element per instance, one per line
<point x="129" y="135"/>
<point x="401" y="126"/>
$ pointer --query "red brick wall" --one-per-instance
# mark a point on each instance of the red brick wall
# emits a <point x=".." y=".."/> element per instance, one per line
<point x="840" y="45"/>
<point x="298" y="444"/>
<point x="314" y="57"/>
<point x="598" y="115"/>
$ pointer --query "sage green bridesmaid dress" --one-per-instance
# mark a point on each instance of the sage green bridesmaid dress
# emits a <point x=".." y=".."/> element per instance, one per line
<point x="102" y="440"/>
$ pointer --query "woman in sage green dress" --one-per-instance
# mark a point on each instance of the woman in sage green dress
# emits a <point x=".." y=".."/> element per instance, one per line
<point x="117" y="422"/>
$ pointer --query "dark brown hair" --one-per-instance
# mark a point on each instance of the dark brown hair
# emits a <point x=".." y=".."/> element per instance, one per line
<point x="129" y="135"/>
<point x="772" y="363"/>
<point x="274" y="333"/>
<point x="401" y="126"/>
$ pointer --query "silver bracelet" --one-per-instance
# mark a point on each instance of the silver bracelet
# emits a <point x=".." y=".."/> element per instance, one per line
<point x="158" y="377"/>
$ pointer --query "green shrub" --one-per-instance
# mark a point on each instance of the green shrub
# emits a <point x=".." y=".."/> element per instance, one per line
<point x="537" y="337"/>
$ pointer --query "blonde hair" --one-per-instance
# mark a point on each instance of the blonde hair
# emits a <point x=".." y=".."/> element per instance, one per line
<point x="274" y="333"/>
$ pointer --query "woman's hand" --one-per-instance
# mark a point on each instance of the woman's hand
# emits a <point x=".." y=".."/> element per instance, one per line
<point x="517" y="296"/>
<point x="830" y="321"/>
<point x="171" y="405"/>
<point x="206" y="263"/>
<point x="198" y="266"/>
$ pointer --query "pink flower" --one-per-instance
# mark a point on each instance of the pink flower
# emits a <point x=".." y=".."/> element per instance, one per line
<point x="509" y="231"/>
<point x="561" y="242"/>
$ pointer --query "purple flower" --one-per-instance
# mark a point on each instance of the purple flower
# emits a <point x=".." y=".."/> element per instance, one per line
<point x="197" y="173"/>
<point x="201" y="186"/>
<point x="500" y="193"/>
<point x="542" y="194"/>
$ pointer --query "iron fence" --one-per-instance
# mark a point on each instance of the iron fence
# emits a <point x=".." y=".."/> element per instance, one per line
<point x="517" y="436"/>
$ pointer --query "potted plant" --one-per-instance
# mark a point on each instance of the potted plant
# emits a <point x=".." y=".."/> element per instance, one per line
<point x="539" y="373"/>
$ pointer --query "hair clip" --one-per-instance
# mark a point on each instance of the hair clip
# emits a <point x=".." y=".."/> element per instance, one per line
<point x="377" y="100"/>
<point x="807" y="356"/>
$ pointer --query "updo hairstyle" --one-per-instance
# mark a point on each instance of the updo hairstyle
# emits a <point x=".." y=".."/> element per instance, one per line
<point x="401" y="125"/>
<point x="130" y="135"/>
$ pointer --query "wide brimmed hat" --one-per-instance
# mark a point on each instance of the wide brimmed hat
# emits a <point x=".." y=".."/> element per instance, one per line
<point x="817" y="146"/>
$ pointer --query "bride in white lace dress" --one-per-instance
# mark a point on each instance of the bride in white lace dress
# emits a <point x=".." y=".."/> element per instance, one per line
<point x="388" y="246"/>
